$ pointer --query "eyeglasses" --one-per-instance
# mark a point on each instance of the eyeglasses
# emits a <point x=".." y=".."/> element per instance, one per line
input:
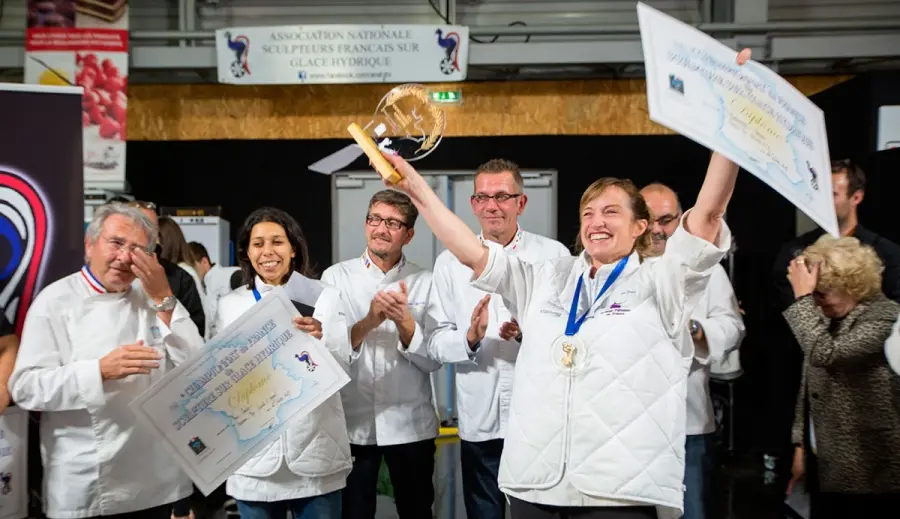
<point x="481" y="198"/>
<point x="117" y="245"/>
<point x="391" y="223"/>
<point x="666" y="219"/>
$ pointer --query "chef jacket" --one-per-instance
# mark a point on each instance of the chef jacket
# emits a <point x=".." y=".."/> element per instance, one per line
<point x="218" y="283"/>
<point x="719" y="315"/>
<point x="388" y="401"/>
<point x="98" y="459"/>
<point x="484" y="379"/>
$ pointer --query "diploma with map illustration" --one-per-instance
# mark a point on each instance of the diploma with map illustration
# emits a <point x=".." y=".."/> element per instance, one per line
<point x="747" y="113"/>
<point x="252" y="380"/>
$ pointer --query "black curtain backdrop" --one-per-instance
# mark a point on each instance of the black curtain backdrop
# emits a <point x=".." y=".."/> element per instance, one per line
<point x="241" y="176"/>
<point x="851" y="112"/>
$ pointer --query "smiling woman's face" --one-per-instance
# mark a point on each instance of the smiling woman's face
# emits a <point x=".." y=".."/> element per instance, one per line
<point x="608" y="227"/>
<point x="270" y="252"/>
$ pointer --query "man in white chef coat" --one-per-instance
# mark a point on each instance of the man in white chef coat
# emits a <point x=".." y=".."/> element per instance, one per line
<point x="388" y="404"/>
<point x="716" y="329"/>
<point x="92" y="342"/>
<point x="217" y="281"/>
<point x="476" y="332"/>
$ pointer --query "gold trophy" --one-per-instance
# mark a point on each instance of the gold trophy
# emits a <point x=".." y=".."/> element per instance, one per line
<point x="406" y="122"/>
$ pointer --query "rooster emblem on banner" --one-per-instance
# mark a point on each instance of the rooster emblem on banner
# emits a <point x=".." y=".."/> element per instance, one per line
<point x="241" y="47"/>
<point x="450" y="44"/>
<point x="24" y="227"/>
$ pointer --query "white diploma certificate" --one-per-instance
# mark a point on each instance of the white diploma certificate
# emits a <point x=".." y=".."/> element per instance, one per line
<point x="253" y="380"/>
<point x="747" y="113"/>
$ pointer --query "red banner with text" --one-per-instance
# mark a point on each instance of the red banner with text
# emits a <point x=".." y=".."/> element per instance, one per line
<point x="85" y="43"/>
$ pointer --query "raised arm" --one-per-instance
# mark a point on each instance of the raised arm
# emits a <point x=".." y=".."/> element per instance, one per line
<point x="449" y="228"/>
<point x="705" y="219"/>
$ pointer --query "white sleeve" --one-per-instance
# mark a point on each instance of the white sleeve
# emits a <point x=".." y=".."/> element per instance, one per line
<point x="335" y="332"/>
<point x="723" y="325"/>
<point x="40" y="381"/>
<point x="181" y="336"/>
<point x="444" y="342"/>
<point x="328" y="277"/>
<point x="681" y="275"/>
<point x="417" y="350"/>
<point x="891" y="348"/>
<point x="509" y="277"/>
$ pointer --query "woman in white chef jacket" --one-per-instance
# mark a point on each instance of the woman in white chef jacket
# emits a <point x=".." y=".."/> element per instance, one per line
<point x="304" y="470"/>
<point x="598" y="405"/>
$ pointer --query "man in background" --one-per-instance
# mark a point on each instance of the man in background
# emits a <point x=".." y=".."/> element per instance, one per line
<point x="716" y="329"/>
<point x="216" y="280"/>
<point x="478" y="334"/>
<point x="388" y="406"/>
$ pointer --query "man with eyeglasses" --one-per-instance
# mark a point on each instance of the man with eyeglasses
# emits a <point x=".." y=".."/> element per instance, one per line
<point x="476" y="332"/>
<point x="92" y="342"/>
<point x="785" y="358"/>
<point x="182" y="283"/>
<point x="388" y="406"/>
<point x="716" y="330"/>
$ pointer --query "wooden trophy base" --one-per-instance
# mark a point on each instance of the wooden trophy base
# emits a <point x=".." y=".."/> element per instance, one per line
<point x="382" y="166"/>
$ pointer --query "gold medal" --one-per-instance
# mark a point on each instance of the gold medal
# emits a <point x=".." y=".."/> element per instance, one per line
<point x="569" y="354"/>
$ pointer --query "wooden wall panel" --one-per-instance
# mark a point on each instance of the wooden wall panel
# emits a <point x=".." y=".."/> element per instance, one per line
<point x="206" y="112"/>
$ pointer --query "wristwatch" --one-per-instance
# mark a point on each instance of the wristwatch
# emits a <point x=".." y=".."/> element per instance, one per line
<point x="167" y="304"/>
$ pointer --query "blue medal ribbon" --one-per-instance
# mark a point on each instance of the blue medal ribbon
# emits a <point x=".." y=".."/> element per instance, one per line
<point x="256" y="294"/>
<point x="573" y="324"/>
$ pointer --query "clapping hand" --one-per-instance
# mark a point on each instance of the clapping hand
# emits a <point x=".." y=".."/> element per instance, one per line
<point x="479" y="322"/>
<point x="394" y="305"/>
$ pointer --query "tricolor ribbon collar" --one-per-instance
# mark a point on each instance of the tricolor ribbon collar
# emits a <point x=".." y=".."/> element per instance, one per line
<point x="93" y="284"/>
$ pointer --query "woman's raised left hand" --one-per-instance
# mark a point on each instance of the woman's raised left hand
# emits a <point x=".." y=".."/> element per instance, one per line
<point x="803" y="276"/>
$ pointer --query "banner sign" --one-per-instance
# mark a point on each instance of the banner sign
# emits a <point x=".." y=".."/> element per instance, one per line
<point x="41" y="192"/>
<point x="41" y="240"/>
<point x="316" y="54"/>
<point x="85" y="43"/>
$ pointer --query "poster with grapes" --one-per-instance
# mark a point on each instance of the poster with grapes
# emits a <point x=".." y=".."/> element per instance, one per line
<point x="85" y="43"/>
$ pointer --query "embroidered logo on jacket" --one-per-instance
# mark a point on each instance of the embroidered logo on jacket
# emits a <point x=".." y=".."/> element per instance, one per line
<point x="615" y="309"/>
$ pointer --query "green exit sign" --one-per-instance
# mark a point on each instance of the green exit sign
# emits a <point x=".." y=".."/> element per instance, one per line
<point x="446" y="96"/>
